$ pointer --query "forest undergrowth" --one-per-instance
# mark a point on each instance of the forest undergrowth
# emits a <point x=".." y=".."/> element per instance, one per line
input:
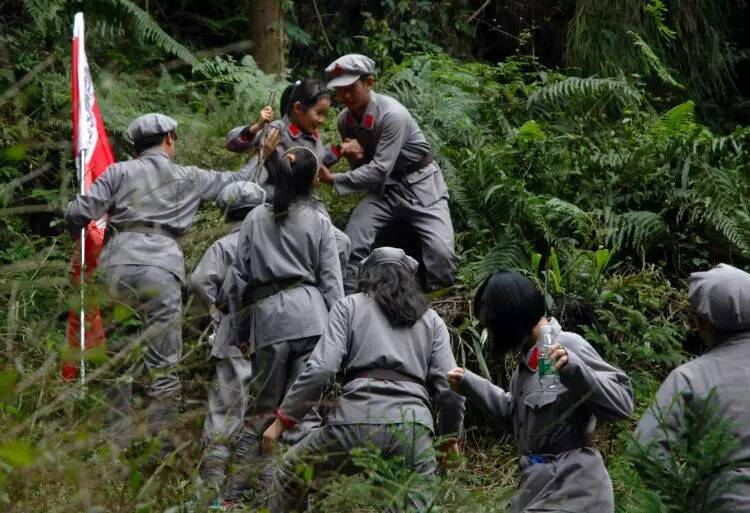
<point x="607" y="190"/>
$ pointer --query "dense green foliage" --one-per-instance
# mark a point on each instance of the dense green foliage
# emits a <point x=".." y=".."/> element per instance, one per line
<point x="604" y="183"/>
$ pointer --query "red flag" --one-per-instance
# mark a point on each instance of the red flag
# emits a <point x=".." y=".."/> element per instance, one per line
<point x="92" y="150"/>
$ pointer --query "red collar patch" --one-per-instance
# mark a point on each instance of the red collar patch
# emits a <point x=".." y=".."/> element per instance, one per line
<point x="294" y="130"/>
<point x="369" y="121"/>
<point x="534" y="359"/>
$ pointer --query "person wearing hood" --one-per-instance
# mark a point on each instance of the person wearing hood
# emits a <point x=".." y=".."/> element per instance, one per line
<point x="720" y="299"/>
<point x="304" y="107"/>
<point x="151" y="203"/>
<point x="394" y="353"/>
<point x="561" y="469"/>
<point x="228" y="392"/>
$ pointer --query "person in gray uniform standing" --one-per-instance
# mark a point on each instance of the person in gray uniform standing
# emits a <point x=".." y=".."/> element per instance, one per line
<point x="394" y="354"/>
<point x="228" y="393"/>
<point x="151" y="203"/>
<point x="392" y="161"/>
<point x="304" y="107"/>
<point x="278" y="292"/>
<point x="561" y="470"/>
<point x="717" y="381"/>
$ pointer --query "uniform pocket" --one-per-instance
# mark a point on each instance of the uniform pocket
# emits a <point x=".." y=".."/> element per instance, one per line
<point x="427" y="185"/>
<point x="540" y="399"/>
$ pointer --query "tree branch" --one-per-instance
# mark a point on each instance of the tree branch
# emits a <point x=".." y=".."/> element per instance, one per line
<point x="479" y="11"/>
<point x="15" y="88"/>
<point x="237" y="47"/>
<point x="10" y="186"/>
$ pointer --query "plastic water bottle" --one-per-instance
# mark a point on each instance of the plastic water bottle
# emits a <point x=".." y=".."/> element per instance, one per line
<point x="546" y="371"/>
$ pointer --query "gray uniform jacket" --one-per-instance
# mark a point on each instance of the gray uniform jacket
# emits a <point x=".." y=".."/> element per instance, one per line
<point x="289" y="136"/>
<point x="391" y="141"/>
<point x="558" y="425"/>
<point x="206" y="280"/>
<point x="301" y="248"/>
<point x="358" y="338"/>
<point x="721" y="295"/>
<point x="149" y="193"/>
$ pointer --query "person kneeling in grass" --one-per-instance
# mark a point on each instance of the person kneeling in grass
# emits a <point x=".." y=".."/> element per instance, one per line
<point x="561" y="470"/>
<point x="394" y="353"/>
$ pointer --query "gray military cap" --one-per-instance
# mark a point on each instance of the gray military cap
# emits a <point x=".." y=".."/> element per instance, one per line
<point x="346" y="70"/>
<point x="148" y="125"/>
<point x="240" y="195"/>
<point x="722" y="296"/>
<point x="387" y="255"/>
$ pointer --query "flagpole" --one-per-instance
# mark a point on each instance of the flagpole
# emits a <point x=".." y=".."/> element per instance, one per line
<point x="82" y="314"/>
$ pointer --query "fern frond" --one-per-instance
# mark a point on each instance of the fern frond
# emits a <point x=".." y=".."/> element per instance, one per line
<point x="508" y="254"/>
<point x="147" y="29"/>
<point x="568" y="218"/>
<point x="581" y="88"/>
<point x="638" y="230"/>
<point x="654" y="62"/>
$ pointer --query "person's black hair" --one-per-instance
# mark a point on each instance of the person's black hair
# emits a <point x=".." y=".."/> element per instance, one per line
<point x="145" y="143"/>
<point x="394" y="288"/>
<point x="292" y="180"/>
<point x="236" y="214"/>
<point x="307" y="92"/>
<point x="509" y="306"/>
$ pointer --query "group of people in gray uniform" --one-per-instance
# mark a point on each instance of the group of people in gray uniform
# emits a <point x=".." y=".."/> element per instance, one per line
<point x="298" y="305"/>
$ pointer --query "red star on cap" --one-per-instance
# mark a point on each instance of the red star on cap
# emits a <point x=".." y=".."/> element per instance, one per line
<point x="337" y="70"/>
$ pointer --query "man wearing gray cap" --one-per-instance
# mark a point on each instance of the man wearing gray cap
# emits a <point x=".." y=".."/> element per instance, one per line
<point x="151" y="202"/>
<point x="717" y="380"/>
<point x="228" y="393"/>
<point x="391" y="160"/>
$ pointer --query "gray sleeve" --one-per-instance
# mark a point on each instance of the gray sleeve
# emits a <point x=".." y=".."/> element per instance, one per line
<point x="373" y="174"/>
<point x="661" y="422"/>
<point x="491" y="398"/>
<point x="232" y="292"/>
<point x="92" y="205"/>
<point x="210" y="183"/>
<point x="236" y="142"/>
<point x="329" y="274"/>
<point x="322" y="366"/>
<point x="606" y="388"/>
<point x="207" y="277"/>
<point x="451" y="406"/>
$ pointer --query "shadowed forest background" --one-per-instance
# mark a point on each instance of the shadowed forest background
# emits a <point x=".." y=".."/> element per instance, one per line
<point x="599" y="147"/>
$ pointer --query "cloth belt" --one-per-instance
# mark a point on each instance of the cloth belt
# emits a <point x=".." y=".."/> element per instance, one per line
<point x="422" y="163"/>
<point x="157" y="230"/>
<point x="381" y="374"/>
<point x="551" y="452"/>
<point x="261" y="292"/>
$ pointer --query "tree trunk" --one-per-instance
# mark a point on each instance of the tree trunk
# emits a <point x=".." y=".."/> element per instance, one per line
<point x="267" y="34"/>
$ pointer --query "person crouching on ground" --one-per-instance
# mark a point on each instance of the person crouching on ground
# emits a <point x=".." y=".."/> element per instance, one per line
<point x="561" y="470"/>
<point x="394" y="353"/>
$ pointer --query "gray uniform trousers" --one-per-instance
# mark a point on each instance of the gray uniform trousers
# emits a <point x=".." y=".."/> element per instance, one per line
<point x="156" y="297"/>
<point x="432" y="224"/>
<point x="227" y="405"/>
<point x="328" y="450"/>
<point x="276" y="368"/>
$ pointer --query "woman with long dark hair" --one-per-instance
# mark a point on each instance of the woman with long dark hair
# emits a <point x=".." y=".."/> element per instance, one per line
<point x="394" y="354"/>
<point x="304" y="107"/>
<point x="561" y="470"/>
<point x="285" y="277"/>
